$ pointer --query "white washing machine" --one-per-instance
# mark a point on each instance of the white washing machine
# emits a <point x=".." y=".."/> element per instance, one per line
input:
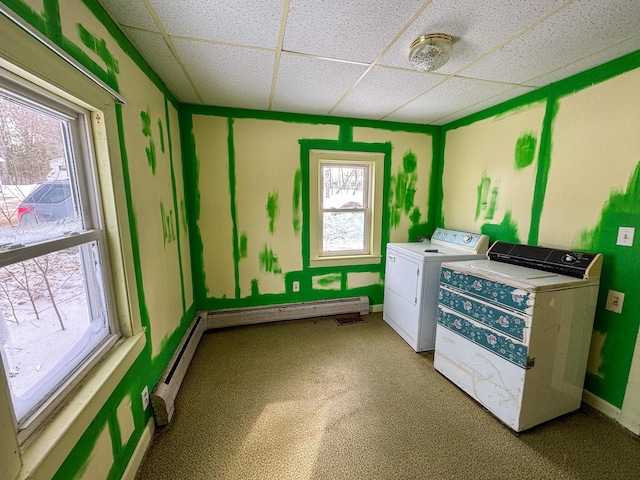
<point x="514" y="329"/>
<point x="412" y="278"/>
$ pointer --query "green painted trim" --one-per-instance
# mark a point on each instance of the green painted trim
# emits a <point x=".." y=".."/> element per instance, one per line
<point x="542" y="174"/>
<point x="52" y="18"/>
<point x="174" y="190"/>
<point x="191" y="180"/>
<point x="192" y="109"/>
<point x="27" y="13"/>
<point x="234" y="208"/>
<point x="435" y="216"/>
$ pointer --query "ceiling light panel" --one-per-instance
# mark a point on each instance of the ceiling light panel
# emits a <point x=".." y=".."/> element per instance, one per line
<point x="328" y="29"/>
<point x="242" y="22"/>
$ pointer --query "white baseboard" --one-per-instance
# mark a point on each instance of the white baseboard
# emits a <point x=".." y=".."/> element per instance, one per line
<point x="601" y="405"/>
<point x="375" y="308"/>
<point x="141" y="449"/>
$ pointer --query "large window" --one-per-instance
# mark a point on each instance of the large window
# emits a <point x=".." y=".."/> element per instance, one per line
<point x="54" y="285"/>
<point x="346" y="206"/>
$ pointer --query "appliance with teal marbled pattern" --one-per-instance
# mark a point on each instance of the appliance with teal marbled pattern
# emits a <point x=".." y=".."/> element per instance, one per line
<point x="482" y="312"/>
<point x="500" y="345"/>
<point x="505" y="295"/>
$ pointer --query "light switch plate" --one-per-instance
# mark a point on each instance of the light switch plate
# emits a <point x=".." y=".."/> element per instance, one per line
<point x="614" y="301"/>
<point x="625" y="236"/>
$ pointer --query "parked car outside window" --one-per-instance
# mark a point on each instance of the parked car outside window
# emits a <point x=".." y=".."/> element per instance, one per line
<point x="49" y="202"/>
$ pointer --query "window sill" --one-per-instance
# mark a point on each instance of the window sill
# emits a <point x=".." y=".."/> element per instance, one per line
<point x="44" y="454"/>
<point x="345" y="260"/>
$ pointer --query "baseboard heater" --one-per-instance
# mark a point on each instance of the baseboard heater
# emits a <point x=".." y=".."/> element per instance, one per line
<point x="165" y="392"/>
<point x="290" y="311"/>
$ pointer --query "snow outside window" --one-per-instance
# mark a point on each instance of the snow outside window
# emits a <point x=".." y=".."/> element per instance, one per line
<point x="345" y="204"/>
<point x="54" y="299"/>
<point x="345" y="214"/>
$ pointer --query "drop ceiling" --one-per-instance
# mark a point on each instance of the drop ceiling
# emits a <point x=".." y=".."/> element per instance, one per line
<point x="348" y="58"/>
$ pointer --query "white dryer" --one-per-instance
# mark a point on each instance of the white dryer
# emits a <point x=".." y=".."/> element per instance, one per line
<point x="514" y="329"/>
<point x="412" y="278"/>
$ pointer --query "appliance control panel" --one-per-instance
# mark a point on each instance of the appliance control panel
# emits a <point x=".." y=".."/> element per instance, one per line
<point x="474" y="242"/>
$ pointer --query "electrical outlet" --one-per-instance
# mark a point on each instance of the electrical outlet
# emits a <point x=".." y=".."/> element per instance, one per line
<point x="614" y="301"/>
<point x="625" y="236"/>
<point x="296" y="286"/>
<point x="145" y="397"/>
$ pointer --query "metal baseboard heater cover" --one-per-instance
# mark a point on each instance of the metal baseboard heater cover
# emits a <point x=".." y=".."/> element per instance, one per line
<point x="164" y="394"/>
<point x="290" y="311"/>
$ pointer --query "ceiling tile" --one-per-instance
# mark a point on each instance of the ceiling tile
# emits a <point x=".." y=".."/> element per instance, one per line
<point x="477" y="26"/>
<point x="228" y="76"/>
<point x="155" y="50"/>
<point x="311" y="84"/>
<point x="242" y="22"/>
<point x="581" y="29"/>
<point x="383" y="90"/>
<point x="513" y="92"/>
<point x="132" y="14"/>
<point x="356" y="30"/>
<point x="450" y="96"/>
<point x="591" y="61"/>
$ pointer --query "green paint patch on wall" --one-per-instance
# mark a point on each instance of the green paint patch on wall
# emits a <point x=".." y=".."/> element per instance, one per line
<point x="403" y="191"/>
<point x="297" y="202"/>
<point x="272" y="210"/>
<point x="99" y="47"/>
<point x="332" y="281"/>
<point x="168" y="222"/>
<point x="505" y="231"/>
<point x="255" y="290"/>
<point x="145" y="117"/>
<point x="161" y="133"/>
<point x="525" y="150"/>
<point x="243" y="246"/>
<point x="620" y="269"/>
<point x="268" y="261"/>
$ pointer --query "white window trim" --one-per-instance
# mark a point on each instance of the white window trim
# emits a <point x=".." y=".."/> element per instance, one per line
<point x="375" y="160"/>
<point x="27" y="59"/>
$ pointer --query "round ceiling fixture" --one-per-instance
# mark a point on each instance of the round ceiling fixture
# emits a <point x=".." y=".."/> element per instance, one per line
<point x="430" y="52"/>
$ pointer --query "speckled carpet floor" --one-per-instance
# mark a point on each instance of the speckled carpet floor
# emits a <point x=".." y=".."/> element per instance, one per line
<point x="310" y="399"/>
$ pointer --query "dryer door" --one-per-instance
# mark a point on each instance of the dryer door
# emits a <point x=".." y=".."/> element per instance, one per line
<point x="402" y="276"/>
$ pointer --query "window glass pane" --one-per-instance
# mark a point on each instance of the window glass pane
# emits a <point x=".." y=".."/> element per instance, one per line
<point x="37" y="200"/>
<point x="52" y="316"/>
<point x="343" y="186"/>
<point x="343" y="231"/>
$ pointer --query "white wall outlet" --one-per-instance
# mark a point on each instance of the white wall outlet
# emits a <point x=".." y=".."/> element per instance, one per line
<point x="625" y="236"/>
<point x="145" y="397"/>
<point x="614" y="301"/>
<point x="296" y="286"/>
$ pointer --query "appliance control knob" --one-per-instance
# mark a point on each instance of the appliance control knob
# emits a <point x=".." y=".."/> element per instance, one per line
<point x="467" y="238"/>
<point x="569" y="258"/>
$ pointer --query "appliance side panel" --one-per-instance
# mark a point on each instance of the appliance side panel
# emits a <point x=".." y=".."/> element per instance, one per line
<point x="560" y="337"/>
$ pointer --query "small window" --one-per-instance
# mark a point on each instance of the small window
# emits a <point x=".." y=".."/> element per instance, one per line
<point x="345" y="193"/>
<point x="55" y="308"/>
<point x="345" y="217"/>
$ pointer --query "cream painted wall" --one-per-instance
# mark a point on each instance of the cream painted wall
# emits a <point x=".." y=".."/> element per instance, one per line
<point x="487" y="148"/>
<point x="210" y="134"/>
<point x="266" y="160"/>
<point x="596" y="146"/>
<point x="403" y="142"/>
